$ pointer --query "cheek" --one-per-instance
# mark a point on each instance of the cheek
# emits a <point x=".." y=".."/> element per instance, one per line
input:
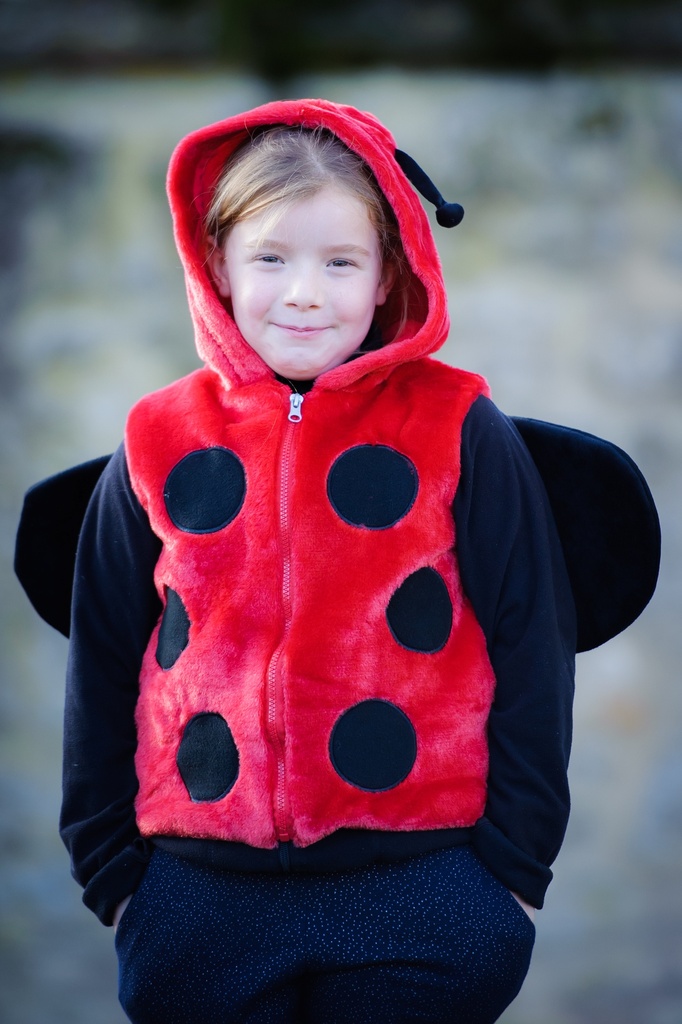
<point x="250" y="299"/>
<point x="361" y="302"/>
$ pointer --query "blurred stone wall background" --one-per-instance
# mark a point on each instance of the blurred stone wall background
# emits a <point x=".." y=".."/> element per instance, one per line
<point x="562" y="137"/>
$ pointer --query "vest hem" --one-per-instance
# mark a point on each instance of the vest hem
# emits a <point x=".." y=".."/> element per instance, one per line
<point x="343" y="850"/>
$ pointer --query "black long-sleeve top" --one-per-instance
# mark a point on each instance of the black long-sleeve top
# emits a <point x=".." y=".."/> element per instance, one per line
<point x="513" y="573"/>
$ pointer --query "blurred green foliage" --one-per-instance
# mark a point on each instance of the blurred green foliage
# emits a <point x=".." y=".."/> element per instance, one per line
<point x="280" y="38"/>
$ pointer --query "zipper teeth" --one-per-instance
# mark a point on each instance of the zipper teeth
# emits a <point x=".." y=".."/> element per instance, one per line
<point x="280" y="808"/>
<point x="280" y="801"/>
<point x="284" y="523"/>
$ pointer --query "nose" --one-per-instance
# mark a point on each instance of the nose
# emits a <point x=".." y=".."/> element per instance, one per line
<point x="304" y="290"/>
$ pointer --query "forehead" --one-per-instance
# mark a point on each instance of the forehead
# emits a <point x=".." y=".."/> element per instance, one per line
<point x="331" y="215"/>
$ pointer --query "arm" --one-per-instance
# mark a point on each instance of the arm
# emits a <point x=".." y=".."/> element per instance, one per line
<point x="114" y="610"/>
<point x="513" y="573"/>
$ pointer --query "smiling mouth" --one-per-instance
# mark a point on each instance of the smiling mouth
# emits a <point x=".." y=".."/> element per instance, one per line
<point x="301" y="330"/>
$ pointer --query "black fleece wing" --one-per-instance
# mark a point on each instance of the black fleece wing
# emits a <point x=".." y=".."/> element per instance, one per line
<point x="47" y="538"/>
<point x="607" y="523"/>
<point x="604" y="512"/>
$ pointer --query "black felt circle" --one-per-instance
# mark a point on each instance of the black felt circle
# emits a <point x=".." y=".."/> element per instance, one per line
<point x="372" y="486"/>
<point x="420" y="612"/>
<point x="373" y="745"/>
<point x="205" y="491"/>
<point x="174" y="631"/>
<point x="207" y="757"/>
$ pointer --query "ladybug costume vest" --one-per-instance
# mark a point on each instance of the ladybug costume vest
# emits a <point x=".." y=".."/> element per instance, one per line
<point x="316" y="665"/>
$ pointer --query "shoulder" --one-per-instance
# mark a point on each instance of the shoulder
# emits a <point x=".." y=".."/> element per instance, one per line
<point x="432" y="373"/>
<point x="163" y="421"/>
<point x="438" y="390"/>
<point x="490" y="433"/>
<point x="188" y="394"/>
<point x="497" y="471"/>
<point x="160" y="423"/>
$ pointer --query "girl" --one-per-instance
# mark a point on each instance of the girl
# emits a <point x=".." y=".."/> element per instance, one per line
<point x="322" y="640"/>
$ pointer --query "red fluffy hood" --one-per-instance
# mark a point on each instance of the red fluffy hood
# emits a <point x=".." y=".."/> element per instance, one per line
<point x="194" y="169"/>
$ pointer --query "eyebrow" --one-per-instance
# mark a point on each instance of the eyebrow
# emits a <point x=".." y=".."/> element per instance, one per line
<point x="349" y="249"/>
<point x="346" y="249"/>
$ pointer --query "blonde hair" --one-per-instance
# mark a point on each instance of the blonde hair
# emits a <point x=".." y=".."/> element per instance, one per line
<point x="280" y="166"/>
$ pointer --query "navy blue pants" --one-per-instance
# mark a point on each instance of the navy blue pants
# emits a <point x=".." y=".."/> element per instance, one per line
<point x="433" y="939"/>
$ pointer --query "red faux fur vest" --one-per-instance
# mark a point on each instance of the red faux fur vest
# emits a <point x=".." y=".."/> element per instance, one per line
<point x="316" y="665"/>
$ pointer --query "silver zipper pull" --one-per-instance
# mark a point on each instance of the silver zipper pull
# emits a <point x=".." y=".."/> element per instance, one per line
<point x="295" y="403"/>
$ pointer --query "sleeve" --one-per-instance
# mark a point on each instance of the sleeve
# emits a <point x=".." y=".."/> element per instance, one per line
<point x="514" y="575"/>
<point x="114" y="609"/>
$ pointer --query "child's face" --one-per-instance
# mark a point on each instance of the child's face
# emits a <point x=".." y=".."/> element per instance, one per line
<point x="304" y="297"/>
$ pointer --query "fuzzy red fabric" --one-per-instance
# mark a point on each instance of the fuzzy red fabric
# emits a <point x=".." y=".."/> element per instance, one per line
<point x="287" y="603"/>
<point x="327" y="639"/>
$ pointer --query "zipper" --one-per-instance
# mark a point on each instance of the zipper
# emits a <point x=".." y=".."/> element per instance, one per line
<point x="295" y="403"/>
<point x="275" y="685"/>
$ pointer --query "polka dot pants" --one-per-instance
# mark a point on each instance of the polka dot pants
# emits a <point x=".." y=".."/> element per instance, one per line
<point x="433" y="939"/>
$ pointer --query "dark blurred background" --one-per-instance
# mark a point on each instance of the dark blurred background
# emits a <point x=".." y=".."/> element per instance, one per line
<point x="558" y="124"/>
<point x="282" y="38"/>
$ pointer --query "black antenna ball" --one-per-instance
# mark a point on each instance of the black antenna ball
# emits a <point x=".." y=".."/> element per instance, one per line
<point x="449" y="215"/>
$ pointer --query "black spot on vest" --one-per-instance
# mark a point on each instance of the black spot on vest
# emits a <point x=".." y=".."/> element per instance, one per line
<point x="205" y="491"/>
<point x="420" y="612"/>
<point x="373" y="745"/>
<point x="372" y="486"/>
<point x="207" y="757"/>
<point x="174" y="631"/>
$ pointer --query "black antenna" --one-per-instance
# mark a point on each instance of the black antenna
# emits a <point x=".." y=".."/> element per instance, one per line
<point x="448" y="215"/>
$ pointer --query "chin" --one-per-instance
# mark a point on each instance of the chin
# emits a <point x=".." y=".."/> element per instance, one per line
<point x="297" y="373"/>
<point x="300" y="371"/>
